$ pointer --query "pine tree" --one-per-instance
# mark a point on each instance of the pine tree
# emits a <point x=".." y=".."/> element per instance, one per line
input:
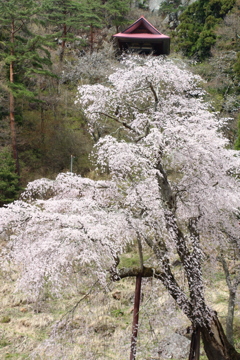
<point x="22" y="53"/>
<point x="195" y="34"/>
<point x="68" y="15"/>
<point x="115" y="12"/>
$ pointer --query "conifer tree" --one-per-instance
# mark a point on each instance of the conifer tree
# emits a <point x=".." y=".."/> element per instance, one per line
<point x="195" y="33"/>
<point x="68" y="15"/>
<point x="20" y="53"/>
<point x="92" y="17"/>
<point x="116" y="11"/>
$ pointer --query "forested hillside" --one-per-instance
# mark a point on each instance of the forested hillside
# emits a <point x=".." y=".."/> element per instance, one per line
<point x="39" y="46"/>
<point x="46" y="51"/>
<point x="125" y="172"/>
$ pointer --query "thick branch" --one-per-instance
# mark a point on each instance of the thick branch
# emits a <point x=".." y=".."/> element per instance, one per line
<point x="167" y="279"/>
<point x="155" y="96"/>
<point x="135" y="271"/>
<point x="167" y="194"/>
<point x="117" y="120"/>
<point x="191" y="260"/>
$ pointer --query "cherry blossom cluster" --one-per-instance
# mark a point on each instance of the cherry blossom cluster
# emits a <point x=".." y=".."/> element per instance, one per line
<point x="168" y="167"/>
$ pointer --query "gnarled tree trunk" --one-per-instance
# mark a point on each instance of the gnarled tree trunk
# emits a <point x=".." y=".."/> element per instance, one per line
<point x="216" y="345"/>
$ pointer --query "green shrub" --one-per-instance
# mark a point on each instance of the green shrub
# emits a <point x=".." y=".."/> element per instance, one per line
<point x="236" y="67"/>
<point x="237" y="143"/>
<point x="5" y="319"/>
<point x="9" y="179"/>
<point x="167" y="7"/>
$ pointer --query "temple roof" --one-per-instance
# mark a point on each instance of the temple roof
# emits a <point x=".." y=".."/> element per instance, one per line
<point x="141" y="29"/>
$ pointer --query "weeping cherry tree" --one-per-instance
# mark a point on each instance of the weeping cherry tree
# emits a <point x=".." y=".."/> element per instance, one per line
<point x="172" y="187"/>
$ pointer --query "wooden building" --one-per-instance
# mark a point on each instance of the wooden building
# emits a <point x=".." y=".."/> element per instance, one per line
<point x="143" y="38"/>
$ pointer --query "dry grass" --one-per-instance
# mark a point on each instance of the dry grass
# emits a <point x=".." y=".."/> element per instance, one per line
<point x="91" y="323"/>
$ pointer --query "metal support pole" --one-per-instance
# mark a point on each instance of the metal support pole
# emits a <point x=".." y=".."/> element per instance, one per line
<point x="71" y="164"/>
<point x="135" y="317"/>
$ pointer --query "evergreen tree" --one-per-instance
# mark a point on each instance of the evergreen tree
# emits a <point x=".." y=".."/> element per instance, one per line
<point x="92" y="17"/>
<point x="115" y="12"/>
<point x="9" y="180"/>
<point x="22" y="53"/>
<point x="195" y="34"/>
<point x="68" y="15"/>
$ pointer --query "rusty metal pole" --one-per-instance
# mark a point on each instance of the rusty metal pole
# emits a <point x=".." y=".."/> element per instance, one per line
<point x="135" y="317"/>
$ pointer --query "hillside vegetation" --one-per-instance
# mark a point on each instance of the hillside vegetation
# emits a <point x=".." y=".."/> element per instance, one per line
<point x="46" y="60"/>
<point x="49" y="128"/>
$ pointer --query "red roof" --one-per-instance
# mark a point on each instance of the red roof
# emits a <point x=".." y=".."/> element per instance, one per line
<point x="140" y="36"/>
<point x="141" y="29"/>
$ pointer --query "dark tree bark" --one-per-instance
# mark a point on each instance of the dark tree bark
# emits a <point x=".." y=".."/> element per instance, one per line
<point x="91" y="38"/>
<point x="230" y="315"/>
<point x="64" y="34"/>
<point x="216" y="344"/>
<point x="232" y="285"/>
<point x="192" y="302"/>
<point x="195" y="345"/>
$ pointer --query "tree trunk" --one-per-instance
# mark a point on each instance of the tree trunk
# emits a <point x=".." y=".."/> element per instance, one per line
<point x="91" y="38"/>
<point x="12" y="106"/>
<point x="215" y="342"/>
<point x="63" y="42"/>
<point x="230" y="316"/>
<point x="13" y="132"/>
<point x="42" y="124"/>
<point x="195" y="345"/>
<point x="232" y="288"/>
